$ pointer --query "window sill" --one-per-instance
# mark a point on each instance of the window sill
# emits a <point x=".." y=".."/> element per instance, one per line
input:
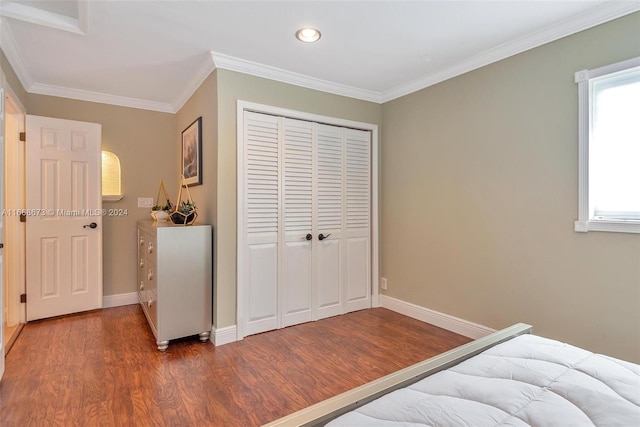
<point x="112" y="198"/>
<point x="628" y="226"/>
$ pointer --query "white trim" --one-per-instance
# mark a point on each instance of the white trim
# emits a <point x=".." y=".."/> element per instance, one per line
<point x="206" y="67"/>
<point x="445" y="321"/>
<point x="222" y="336"/>
<point x="375" y="230"/>
<point x="243" y="106"/>
<point x="586" y="221"/>
<point x="14" y="195"/>
<point x="47" y="18"/>
<point x="117" y="300"/>
<point x="10" y="48"/>
<point x="112" y="198"/>
<point x="227" y="62"/>
<point x="102" y="98"/>
<point x="599" y="15"/>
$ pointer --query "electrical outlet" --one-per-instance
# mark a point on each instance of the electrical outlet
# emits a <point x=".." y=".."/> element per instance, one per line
<point x="145" y="202"/>
<point x="383" y="283"/>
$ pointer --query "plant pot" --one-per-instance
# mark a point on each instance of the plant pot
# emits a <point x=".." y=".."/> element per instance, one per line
<point x="184" y="219"/>
<point x="160" y="215"/>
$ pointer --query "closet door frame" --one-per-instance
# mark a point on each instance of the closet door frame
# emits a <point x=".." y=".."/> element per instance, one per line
<point x="243" y="106"/>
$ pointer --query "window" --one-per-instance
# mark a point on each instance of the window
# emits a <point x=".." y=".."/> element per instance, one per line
<point x="609" y="148"/>
<point x="111" y="188"/>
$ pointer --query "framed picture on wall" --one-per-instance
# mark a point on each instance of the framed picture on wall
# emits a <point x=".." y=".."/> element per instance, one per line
<point x="192" y="153"/>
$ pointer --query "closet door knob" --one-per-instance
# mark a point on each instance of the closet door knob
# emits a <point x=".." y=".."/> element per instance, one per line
<point x="308" y="236"/>
<point x="322" y="236"/>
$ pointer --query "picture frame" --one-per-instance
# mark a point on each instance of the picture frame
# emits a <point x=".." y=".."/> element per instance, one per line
<point x="192" y="153"/>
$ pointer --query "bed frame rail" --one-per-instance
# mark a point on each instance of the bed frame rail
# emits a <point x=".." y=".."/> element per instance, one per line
<point x="323" y="412"/>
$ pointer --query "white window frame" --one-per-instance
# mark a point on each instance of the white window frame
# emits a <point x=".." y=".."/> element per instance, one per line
<point x="586" y="220"/>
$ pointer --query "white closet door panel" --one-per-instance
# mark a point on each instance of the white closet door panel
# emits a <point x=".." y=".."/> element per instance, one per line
<point x="329" y="182"/>
<point x="358" y="176"/>
<point x="358" y="215"/>
<point x="358" y="274"/>
<point x="261" y="287"/>
<point x="262" y="192"/>
<point x="297" y="217"/>
<point x="297" y="181"/>
<point x="329" y="221"/>
<point x="261" y="173"/>
<point x="328" y="278"/>
<point x="296" y="283"/>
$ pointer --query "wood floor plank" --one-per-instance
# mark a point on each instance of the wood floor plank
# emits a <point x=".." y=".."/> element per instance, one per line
<point x="102" y="368"/>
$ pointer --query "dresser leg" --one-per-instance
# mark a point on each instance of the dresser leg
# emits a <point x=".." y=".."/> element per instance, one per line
<point x="162" y="345"/>
<point x="204" y="336"/>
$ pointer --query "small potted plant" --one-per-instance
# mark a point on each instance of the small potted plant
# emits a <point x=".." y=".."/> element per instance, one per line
<point x="184" y="212"/>
<point x="161" y="212"/>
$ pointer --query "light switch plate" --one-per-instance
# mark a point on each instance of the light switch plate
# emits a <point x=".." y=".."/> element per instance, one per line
<point x="145" y="202"/>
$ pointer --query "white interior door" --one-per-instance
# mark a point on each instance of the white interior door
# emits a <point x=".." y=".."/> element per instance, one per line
<point x="64" y="217"/>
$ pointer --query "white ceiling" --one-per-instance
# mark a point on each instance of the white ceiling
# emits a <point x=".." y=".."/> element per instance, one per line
<point x="154" y="54"/>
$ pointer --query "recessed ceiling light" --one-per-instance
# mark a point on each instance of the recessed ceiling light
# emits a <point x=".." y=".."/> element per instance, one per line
<point x="308" y="35"/>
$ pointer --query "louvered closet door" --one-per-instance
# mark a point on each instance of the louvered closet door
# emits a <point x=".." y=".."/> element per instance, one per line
<point x="261" y="219"/>
<point x="297" y="200"/>
<point x="329" y="222"/>
<point x="306" y="250"/>
<point x="357" y="237"/>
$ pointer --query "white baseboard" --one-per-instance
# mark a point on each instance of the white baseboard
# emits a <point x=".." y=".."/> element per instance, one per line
<point x="445" y="321"/>
<point x="117" y="300"/>
<point x="221" y="336"/>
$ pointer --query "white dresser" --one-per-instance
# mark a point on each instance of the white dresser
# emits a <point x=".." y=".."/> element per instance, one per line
<point x="174" y="279"/>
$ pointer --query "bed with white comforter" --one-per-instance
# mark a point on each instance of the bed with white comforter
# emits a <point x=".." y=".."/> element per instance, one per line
<point x="526" y="381"/>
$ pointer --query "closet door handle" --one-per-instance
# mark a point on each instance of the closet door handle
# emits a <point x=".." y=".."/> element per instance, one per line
<point x="308" y="236"/>
<point x="322" y="236"/>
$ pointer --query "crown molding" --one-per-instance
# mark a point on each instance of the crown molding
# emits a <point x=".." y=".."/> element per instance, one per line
<point x="599" y="15"/>
<point x="231" y="63"/>
<point x="102" y="98"/>
<point x="206" y="67"/>
<point x="35" y="15"/>
<point x="9" y="47"/>
<point x="212" y="60"/>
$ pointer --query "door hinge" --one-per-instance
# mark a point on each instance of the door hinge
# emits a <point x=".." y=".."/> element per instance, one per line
<point x="23" y="217"/>
<point x="23" y="136"/>
<point x="23" y="298"/>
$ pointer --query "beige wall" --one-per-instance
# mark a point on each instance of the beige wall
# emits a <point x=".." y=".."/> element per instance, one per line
<point x="232" y="87"/>
<point x="145" y="143"/>
<point x="203" y="104"/>
<point x="479" y="194"/>
<point x="12" y="79"/>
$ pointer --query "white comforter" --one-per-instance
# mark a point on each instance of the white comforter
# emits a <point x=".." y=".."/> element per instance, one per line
<point x="526" y="381"/>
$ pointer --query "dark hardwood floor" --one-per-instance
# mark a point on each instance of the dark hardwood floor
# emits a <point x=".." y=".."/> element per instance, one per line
<point x="102" y="368"/>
